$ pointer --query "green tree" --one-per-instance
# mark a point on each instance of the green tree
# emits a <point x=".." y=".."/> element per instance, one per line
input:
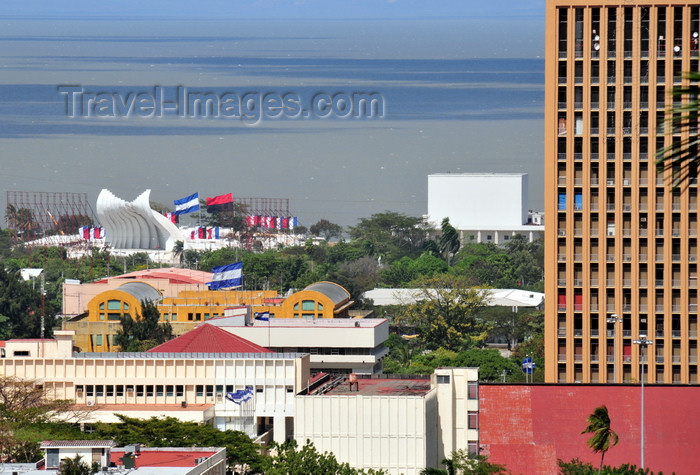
<point x="326" y="229"/>
<point x="512" y="325"/>
<point x="179" y="251"/>
<point x="241" y="452"/>
<point x="22" y="221"/>
<point x="534" y="348"/>
<point x="681" y="156"/>
<point x="449" y="241"/>
<point x="145" y="331"/>
<point x="461" y="463"/>
<point x="21" y="304"/>
<point x="492" y="366"/>
<point x="356" y="276"/>
<point x="292" y="460"/>
<point x="24" y="404"/>
<point x="578" y="467"/>
<point x="391" y="235"/>
<point x="75" y="466"/>
<point x="603" y="438"/>
<point x="445" y="313"/>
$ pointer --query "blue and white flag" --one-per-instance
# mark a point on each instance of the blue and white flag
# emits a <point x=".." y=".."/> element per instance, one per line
<point x="227" y="276"/>
<point x="188" y="204"/>
<point x="240" y="396"/>
<point x="264" y="316"/>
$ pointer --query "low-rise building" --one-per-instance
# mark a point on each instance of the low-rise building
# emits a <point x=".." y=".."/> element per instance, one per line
<point x="96" y="327"/>
<point x="334" y="345"/>
<point x="188" y="385"/>
<point x="400" y="425"/>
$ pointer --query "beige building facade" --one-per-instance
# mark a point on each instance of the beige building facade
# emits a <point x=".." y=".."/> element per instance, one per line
<point x="184" y="385"/>
<point x="621" y="242"/>
<point x="401" y="426"/>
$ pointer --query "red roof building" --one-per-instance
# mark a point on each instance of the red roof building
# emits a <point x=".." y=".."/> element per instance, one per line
<point x="208" y="339"/>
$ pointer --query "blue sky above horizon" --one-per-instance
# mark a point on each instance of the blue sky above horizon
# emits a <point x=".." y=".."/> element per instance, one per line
<point x="276" y="9"/>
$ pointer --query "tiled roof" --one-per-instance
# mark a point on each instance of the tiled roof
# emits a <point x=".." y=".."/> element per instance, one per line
<point x="76" y="443"/>
<point x="208" y="339"/>
<point x="173" y="274"/>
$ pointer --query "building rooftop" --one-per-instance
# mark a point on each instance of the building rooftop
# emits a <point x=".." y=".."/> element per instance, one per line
<point x="52" y="444"/>
<point x="232" y="321"/>
<point x="497" y="297"/>
<point x="108" y="355"/>
<point x="333" y="291"/>
<point x="174" y="274"/>
<point x="141" y="291"/>
<point x="477" y="174"/>
<point x="208" y="339"/>
<point x="382" y="387"/>
<point x="164" y="456"/>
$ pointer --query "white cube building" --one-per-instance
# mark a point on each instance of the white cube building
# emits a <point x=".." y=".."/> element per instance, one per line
<point x="483" y="207"/>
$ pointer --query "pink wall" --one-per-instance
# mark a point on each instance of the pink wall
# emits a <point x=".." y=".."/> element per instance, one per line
<point x="527" y="428"/>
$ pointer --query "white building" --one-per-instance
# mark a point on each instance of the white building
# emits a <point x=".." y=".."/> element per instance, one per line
<point x="335" y="345"/>
<point x="399" y="425"/>
<point x="494" y="297"/>
<point x="483" y="207"/>
<point x="188" y="386"/>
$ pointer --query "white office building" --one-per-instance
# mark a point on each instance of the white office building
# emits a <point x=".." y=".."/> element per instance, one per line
<point x="483" y="207"/>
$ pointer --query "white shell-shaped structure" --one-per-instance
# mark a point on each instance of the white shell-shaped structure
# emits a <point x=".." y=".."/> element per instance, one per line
<point x="134" y="225"/>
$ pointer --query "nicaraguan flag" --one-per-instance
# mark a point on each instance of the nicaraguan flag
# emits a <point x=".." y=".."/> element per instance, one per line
<point x="240" y="396"/>
<point x="188" y="204"/>
<point x="227" y="276"/>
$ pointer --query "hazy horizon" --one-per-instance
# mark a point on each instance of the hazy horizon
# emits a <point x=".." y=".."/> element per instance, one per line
<point x="460" y="97"/>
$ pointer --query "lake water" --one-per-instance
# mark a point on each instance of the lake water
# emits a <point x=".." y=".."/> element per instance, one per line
<point x="458" y="97"/>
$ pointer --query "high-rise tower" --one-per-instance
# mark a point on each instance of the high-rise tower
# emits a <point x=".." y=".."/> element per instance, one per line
<point x="621" y="242"/>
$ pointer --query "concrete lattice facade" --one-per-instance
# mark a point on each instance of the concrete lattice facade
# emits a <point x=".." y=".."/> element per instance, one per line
<point x="621" y="244"/>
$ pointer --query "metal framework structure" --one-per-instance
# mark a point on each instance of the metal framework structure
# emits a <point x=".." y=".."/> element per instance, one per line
<point x="43" y="210"/>
<point x="265" y="206"/>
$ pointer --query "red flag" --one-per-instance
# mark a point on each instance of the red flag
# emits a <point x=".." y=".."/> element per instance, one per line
<point x="220" y="203"/>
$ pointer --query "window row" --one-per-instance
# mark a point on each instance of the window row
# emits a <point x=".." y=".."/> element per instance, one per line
<point x="661" y="31"/>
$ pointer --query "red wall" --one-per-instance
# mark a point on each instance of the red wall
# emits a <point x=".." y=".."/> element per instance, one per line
<point x="527" y="428"/>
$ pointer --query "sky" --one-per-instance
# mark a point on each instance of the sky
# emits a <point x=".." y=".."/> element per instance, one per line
<point x="461" y="83"/>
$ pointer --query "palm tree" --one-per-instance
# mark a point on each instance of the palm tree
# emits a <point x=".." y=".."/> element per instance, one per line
<point x="681" y="157"/>
<point x="449" y="240"/>
<point x="604" y="438"/>
<point x="179" y="251"/>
